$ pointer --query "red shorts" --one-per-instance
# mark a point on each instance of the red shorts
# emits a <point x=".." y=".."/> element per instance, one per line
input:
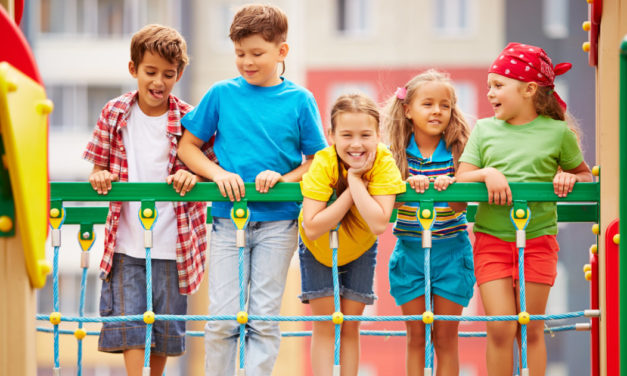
<point x="497" y="259"/>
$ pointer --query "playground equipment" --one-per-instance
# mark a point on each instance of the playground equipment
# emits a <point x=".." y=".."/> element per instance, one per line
<point x="21" y="267"/>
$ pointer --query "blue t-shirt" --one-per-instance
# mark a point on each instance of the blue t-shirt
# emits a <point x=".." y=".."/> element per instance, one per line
<point x="258" y="128"/>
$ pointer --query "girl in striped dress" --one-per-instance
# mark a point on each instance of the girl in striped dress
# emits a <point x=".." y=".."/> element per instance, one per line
<point x="427" y="134"/>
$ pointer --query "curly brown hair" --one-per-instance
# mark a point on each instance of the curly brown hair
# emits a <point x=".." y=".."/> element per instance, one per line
<point x="161" y="40"/>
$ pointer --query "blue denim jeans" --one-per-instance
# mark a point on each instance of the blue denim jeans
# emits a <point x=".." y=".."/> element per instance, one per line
<point x="124" y="293"/>
<point x="269" y="249"/>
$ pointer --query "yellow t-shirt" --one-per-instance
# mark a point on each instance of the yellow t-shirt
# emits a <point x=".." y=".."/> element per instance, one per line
<point x="384" y="179"/>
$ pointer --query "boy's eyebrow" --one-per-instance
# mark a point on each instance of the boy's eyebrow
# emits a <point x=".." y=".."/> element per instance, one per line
<point x="148" y="66"/>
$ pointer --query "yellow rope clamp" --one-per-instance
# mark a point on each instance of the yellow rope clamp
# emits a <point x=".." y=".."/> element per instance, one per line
<point x="520" y="216"/>
<point x="426" y="216"/>
<point x="427" y="317"/>
<point x="242" y="317"/>
<point x="147" y="217"/>
<point x="56" y="218"/>
<point x="337" y="317"/>
<point x="240" y="216"/>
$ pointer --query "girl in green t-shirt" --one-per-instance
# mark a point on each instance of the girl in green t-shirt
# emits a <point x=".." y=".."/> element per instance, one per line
<point x="528" y="139"/>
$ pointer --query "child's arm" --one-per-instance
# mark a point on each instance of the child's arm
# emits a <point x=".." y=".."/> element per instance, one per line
<point x="100" y="179"/>
<point x="375" y="210"/>
<point x="565" y="180"/>
<point x="318" y="218"/>
<point x="268" y="178"/>
<point x="499" y="192"/>
<point x="191" y="154"/>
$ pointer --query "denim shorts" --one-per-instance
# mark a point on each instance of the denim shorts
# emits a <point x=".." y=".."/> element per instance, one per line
<point x="355" y="278"/>
<point x="124" y="293"/>
<point x="452" y="273"/>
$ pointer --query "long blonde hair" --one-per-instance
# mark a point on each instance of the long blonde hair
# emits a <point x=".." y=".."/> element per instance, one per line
<point x="350" y="103"/>
<point x="398" y="128"/>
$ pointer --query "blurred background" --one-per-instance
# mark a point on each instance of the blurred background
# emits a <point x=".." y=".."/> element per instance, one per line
<point x="336" y="46"/>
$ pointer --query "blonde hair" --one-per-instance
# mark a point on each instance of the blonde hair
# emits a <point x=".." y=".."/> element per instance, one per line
<point x="398" y="128"/>
<point x="357" y="104"/>
<point x="162" y="40"/>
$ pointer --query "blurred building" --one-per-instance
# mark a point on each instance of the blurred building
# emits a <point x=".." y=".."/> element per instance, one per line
<point x="336" y="46"/>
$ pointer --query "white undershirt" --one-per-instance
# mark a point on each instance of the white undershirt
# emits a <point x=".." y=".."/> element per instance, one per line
<point x="147" y="151"/>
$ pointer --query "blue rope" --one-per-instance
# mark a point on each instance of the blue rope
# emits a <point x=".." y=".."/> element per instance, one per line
<point x="523" y="304"/>
<point x="55" y="302"/>
<point x="148" y="307"/>
<point x="242" y="327"/>
<point x="81" y="313"/>
<point x="428" y="344"/>
<point x="336" y="303"/>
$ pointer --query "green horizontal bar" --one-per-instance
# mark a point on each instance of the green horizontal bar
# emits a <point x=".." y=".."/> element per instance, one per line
<point x="565" y="213"/>
<point x="458" y="192"/>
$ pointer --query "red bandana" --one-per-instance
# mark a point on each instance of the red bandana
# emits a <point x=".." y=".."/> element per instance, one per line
<point x="527" y="63"/>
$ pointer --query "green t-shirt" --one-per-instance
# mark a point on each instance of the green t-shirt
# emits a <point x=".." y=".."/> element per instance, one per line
<point x="530" y="152"/>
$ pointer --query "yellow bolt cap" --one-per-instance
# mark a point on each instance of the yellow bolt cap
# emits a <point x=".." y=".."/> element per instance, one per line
<point x="149" y="317"/>
<point x="80" y="334"/>
<point x="427" y="317"/>
<point x="588" y="275"/>
<point x="585" y="46"/>
<point x="242" y="317"/>
<point x="6" y="224"/>
<point x="520" y="213"/>
<point x="240" y="213"/>
<point x="337" y="317"/>
<point x="595" y="229"/>
<point x="147" y="213"/>
<point x="590" y="1"/>
<point x="44" y="106"/>
<point x="586" y="26"/>
<point x="596" y="170"/>
<point x="616" y="239"/>
<point x="587" y="268"/>
<point x="55" y="318"/>
<point x="594" y="249"/>
<point x="86" y="235"/>
<point x="523" y="318"/>
<point x="54" y="212"/>
<point x="426" y="213"/>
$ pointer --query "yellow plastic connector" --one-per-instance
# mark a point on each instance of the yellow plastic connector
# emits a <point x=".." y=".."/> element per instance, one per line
<point x="149" y="317"/>
<point x="523" y="318"/>
<point x="54" y="212"/>
<point x="595" y="229"/>
<point x="6" y="224"/>
<point x="426" y="213"/>
<point x="594" y="249"/>
<point x="240" y="213"/>
<point x="586" y="26"/>
<point x="242" y="317"/>
<point x="80" y="334"/>
<point x="596" y="170"/>
<point x="587" y="268"/>
<point x="147" y="213"/>
<point x="588" y="275"/>
<point x="585" y="46"/>
<point x="520" y="213"/>
<point x="337" y="317"/>
<point x="427" y="317"/>
<point x="616" y="239"/>
<point x="55" y="318"/>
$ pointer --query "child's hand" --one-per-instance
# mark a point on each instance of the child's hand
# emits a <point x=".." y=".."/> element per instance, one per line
<point x="101" y="181"/>
<point x="419" y="183"/>
<point x="182" y="181"/>
<point x="366" y="166"/>
<point x="230" y="184"/>
<point x="499" y="192"/>
<point x="563" y="183"/>
<point x="266" y="180"/>
<point x="442" y="182"/>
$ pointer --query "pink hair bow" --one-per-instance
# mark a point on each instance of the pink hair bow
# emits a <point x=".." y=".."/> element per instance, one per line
<point x="401" y="93"/>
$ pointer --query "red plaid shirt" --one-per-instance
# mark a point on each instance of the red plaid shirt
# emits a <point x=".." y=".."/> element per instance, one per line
<point x="106" y="149"/>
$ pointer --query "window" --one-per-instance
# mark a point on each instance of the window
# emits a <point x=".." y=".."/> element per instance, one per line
<point x="354" y="16"/>
<point x="555" y="18"/>
<point x="452" y="18"/>
<point x="467" y="100"/>
<point x="340" y="88"/>
<point x="104" y="18"/>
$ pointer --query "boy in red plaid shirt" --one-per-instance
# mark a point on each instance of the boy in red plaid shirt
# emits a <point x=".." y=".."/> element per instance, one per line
<point x="136" y="140"/>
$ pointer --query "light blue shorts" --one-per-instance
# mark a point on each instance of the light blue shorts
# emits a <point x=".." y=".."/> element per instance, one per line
<point x="452" y="272"/>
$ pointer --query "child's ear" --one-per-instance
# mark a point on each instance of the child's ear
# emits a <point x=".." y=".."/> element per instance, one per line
<point x="284" y="48"/>
<point x="132" y="69"/>
<point x="531" y="88"/>
<point x="406" y="111"/>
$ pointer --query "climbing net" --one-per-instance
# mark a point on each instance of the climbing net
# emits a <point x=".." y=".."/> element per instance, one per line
<point x="520" y="215"/>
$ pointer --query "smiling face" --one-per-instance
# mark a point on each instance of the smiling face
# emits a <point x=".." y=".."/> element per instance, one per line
<point x="511" y="100"/>
<point x="430" y="110"/>
<point x="355" y="135"/>
<point x="257" y="60"/>
<point x="156" y="77"/>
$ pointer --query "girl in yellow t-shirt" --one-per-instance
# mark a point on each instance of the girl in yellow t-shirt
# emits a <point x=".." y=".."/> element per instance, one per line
<point x="366" y="180"/>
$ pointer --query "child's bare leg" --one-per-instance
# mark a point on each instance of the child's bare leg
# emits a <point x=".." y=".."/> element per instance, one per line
<point x="499" y="298"/>
<point x="415" y="357"/>
<point x="349" y="341"/>
<point x="323" y="337"/>
<point x="537" y="295"/>
<point x="134" y="362"/>
<point x="445" y="337"/>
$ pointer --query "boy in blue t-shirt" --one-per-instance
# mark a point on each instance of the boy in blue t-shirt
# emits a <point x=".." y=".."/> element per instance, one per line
<point x="263" y="125"/>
